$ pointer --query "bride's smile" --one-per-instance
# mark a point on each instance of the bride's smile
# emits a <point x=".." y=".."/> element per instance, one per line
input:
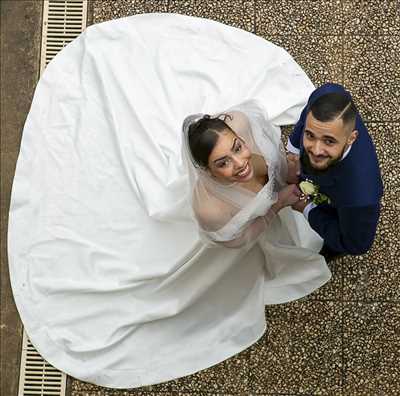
<point x="243" y="173"/>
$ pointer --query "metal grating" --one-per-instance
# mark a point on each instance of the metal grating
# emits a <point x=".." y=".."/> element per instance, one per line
<point x="63" y="20"/>
<point x="37" y="377"/>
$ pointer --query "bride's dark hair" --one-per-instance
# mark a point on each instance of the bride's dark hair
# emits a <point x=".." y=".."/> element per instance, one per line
<point x="203" y="136"/>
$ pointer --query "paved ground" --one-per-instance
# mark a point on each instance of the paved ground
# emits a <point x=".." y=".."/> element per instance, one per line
<point x="345" y="338"/>
<point x="19" y="52"/>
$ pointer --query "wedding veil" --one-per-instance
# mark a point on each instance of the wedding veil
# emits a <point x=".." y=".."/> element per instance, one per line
<point x="223" y="212"/>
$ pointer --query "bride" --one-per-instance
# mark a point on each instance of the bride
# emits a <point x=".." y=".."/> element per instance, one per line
<point x="128" y="266"/>
<point x="230" y="172"/>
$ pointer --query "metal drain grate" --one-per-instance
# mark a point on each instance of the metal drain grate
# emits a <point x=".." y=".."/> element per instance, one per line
<point x="63" y="20"/>
<point x="37" y="377"/>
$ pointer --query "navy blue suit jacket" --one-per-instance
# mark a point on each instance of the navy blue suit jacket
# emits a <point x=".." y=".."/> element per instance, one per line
<point x="354" y="185"/>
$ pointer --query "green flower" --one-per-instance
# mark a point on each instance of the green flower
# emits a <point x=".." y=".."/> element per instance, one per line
<point x="319" y="199"/>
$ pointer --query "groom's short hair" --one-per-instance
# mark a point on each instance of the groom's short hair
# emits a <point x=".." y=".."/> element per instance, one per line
<point x="333" y="105"/>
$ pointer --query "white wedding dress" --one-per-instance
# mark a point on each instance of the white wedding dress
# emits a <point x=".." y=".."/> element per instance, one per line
<point x="109" y="275"/>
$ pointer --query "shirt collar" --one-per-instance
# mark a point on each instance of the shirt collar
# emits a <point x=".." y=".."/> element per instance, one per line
<point x="346" y="153"/>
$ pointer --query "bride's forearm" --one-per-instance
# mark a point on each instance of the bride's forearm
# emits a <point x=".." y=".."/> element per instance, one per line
<point x="277" y="206"/>
<point x="249" y="235"/>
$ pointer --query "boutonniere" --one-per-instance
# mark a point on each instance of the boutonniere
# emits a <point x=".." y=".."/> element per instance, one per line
<point x="311" y="190"/>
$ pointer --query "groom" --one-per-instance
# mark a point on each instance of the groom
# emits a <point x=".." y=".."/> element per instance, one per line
<point x="337" y="155"/>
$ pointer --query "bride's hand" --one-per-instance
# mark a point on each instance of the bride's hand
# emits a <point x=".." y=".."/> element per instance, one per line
<point x="287" y="196"/>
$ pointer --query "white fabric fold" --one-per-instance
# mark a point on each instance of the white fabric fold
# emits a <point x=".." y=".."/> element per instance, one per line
<point x="108" y="272"/>
<point x="291" y="148"/>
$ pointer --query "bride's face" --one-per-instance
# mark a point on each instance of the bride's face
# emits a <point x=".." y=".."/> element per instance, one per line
<point x="230" y="160"/>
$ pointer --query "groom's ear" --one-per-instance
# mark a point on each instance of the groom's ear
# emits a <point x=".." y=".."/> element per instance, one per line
<point x="353" y="137"/>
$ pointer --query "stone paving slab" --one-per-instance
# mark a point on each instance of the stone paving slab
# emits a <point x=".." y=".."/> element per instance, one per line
<point x="105" y="392"/>
<point x="319" y="56"/>
<point x="235" y="13"/>
<point x="81" y="386"/>
<point x="230" y="376"/>
<point x="371" y="345"/>
<point x="333" y="289"/>
<point x="301" y="350"/>
<point x="376" y="274"/>
<point x="104" y="10"/>
<point x="288" y="17"/>
<point x="371" y="73"/>
<point x="377" y="17"/>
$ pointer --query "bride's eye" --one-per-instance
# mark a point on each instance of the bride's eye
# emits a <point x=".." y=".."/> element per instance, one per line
<point x="222" y="164"/>
<point x="238" y="148"/>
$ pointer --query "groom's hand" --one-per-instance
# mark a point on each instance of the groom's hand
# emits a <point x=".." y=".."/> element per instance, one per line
<point x="300" y="205"/>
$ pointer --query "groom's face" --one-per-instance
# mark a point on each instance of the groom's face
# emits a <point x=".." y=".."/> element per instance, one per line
<point x="325" y="142"/>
